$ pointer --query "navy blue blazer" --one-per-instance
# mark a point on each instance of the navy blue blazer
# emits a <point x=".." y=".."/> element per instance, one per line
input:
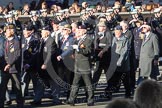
<point x="66" y="47"/>
<point x="12" y="55"/>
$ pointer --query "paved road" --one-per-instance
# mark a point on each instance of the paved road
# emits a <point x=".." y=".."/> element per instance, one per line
<point x="101" y="100"/>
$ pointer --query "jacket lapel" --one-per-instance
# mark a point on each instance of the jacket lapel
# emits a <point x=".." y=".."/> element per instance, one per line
<point x="64" y="43"/>
<point x="81" y="40"/>
<point x="147" y="39"/>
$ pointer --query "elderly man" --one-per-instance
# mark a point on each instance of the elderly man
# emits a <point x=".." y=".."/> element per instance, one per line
<point x="128" y="34"/>
<point x="120" y="63"/>
<point x="82" y="69"/>
<point x="102" y="50"/>
<point x="148" y="62"/>
<point x="64" y="58"/>
<point x="46" y="57"/>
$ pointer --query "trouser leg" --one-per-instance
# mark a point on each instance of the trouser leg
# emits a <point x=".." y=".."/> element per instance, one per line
<point x="4" y="82"/>
<point x="126" y="82"/>
<point x="55" y="90"/>
<point x="75" y="87"/>
<point x="97" y="74"/>
<point x="19" y="97"/>
<point x="39" y="90"/>
<point x="26" y="81"/>
<point x="88" y="83"/>
<point x="34" y="77"/>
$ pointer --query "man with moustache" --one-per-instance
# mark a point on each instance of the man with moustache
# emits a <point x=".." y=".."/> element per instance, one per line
<point x="47" y="66"/>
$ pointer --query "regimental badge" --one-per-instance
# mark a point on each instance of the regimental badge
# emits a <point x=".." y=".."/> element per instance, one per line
<point x="23" y="45"/>
<point x="30" y="50"/>
<point x="67" y="44"/>
<point x="45" y="49"/>
<point x="12" y="50"/>
<point x="65" y="48"/>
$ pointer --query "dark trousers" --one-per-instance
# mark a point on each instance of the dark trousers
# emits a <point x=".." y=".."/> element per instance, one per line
<point x="40" y="89"/>
<point x="2" y="65"/>
<point x="16" y="78"/>
<point x="67" y="76"/>
<point x="31" y="76"/>
<point x="116" y="80"/>
<point x="100" y="66"/>
<point x="133" y="75"/>
<point x="75" y="86"/>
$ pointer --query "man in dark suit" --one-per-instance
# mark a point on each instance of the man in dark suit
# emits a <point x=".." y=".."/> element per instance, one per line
<point x="13" y="66"/>
<point x="82" y="66"/>
<point x="65" y="60"/>
<point x="149" y="54"/>
<point x="3" y="62"/>
<point x="128" y="34"/>
<point x="47" y="67"/>
<point x="120" y="63"/>
<point x="30" y="47"/>
<point x="102" y="50"/>
<point x="138" y="37"/>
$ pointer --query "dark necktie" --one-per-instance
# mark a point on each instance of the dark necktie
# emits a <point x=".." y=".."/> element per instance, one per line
<point x="26" y="44"/>
<point x="62" y="41"/>
<point x="41" y="45"/>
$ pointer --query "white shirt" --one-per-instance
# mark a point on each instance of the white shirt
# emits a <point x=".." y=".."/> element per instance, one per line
<point x="45" y="39"/>
<point x="10" y="38"/>
<point x="65" y="38"/>
<point x="28" y="39"/>
<point x="147" y="34"/>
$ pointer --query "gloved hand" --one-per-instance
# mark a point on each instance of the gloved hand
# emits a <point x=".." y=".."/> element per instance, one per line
<point x="26" y="66"/>
<point x="75" y="47"/>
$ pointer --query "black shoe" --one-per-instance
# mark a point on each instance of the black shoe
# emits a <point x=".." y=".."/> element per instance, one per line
<point x="70" y="103"/>
<point x="128" y="96"/>
<point x="35" y="102"/>
<point x="90" y="104"/>
<point x="108" y="95"/>
<point x="20" y="106"/>
<point x="8" y="102"/>
<point x="58" y="102"/>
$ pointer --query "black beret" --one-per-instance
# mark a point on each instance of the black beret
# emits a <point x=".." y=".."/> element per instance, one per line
<point x="28" y="26"/>
<point x="82" y="27"/>
<point x="118" y="27"/>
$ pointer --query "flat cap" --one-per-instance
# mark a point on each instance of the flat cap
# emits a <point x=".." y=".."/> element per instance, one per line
<point x="82" y="27"/>
<point x="118" y="27"/>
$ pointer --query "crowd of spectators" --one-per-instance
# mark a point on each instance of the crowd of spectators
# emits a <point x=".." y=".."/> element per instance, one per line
<point x="75" y="7"/>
